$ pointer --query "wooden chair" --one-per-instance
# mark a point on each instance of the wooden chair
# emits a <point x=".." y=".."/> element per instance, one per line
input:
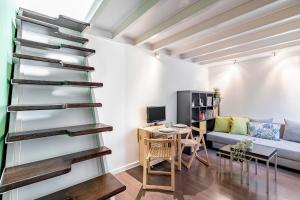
<point x="159" y="149"/>
<point x="194" y="143"/>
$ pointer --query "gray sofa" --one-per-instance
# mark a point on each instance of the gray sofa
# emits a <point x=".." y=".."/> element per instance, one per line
<point x="288" y="152"/>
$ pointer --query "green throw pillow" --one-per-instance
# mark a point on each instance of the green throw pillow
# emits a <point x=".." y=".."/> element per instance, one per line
<point x="239" y="125"/>
<point x="222" y="124"/>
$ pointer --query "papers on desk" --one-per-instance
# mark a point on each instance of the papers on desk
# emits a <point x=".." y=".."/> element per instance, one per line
<point x="166" y="130"/>
<point x="180" y="125"/>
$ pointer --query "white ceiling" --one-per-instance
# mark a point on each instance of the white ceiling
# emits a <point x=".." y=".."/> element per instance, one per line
<point x="161" y="12"/>
<point x="202" y="31"/>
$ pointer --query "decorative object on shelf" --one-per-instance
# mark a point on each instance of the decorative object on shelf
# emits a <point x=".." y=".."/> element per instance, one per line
<point x="216" y="111"/>
<point x="209" y="114"/>
<point x="193" y="103"/>
<point x="209" y="101"/>
<point x="201" y="102"/>
<point x="217" y="97"/>
<point x="239" y="150"/>
<point x="202" y="116"/>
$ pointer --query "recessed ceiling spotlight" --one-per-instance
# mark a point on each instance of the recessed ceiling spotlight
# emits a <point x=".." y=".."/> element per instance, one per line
<point x="157" y="55"/>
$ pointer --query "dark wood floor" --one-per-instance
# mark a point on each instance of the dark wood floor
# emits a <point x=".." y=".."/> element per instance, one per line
<point x="201" y="182"/>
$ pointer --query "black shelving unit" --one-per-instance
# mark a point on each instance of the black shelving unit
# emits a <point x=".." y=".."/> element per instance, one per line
<point x="196" y="108"/>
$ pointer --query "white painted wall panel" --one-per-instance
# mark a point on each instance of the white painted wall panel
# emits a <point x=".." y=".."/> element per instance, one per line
<point x="134" y="79"/>
<point x="261" y="88"/>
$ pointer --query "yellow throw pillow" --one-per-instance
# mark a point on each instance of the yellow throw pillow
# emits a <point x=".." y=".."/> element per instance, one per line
<point x="222" y="124"/>
<point x="239" y="125"/>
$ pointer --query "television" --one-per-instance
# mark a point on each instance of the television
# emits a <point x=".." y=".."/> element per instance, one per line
<point x="156" y="114"/>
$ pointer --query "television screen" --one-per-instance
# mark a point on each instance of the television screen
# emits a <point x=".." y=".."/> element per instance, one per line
<point x="156" y="114"/>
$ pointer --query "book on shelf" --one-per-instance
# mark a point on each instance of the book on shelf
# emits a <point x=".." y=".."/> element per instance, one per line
<point x="209" y="114"/>
<point x="209" y="101"/>
<point x="202" y="116"/>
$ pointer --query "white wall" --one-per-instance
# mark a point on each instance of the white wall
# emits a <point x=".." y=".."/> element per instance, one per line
<point x="262" y="88"/>
<point x="134" y="79"/>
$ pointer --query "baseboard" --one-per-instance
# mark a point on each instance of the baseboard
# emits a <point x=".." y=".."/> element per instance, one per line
<point x="125" y="167"/>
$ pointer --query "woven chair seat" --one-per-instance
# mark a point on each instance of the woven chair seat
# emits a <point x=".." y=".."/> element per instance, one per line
<point x="160" y="152"/>
<point x="188" y="142"/>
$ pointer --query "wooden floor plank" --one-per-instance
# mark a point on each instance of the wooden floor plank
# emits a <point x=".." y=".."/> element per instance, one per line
<point x="201" y="182"/>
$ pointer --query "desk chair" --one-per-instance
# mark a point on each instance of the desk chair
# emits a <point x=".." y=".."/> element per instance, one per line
<point x="194" y="143"/>
<point x="159" y="149"/>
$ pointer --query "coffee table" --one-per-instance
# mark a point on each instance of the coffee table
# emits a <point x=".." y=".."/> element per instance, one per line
<point x="258" y="152"/>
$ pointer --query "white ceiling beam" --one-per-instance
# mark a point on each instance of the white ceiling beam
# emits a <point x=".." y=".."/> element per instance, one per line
<point x="179" y="17"/>
<point x="219" y="19"/>
<point x="96" y="31"/>
<point x="96" y="10"/>
<point x="283" y="38"/>
<point x="134" y="16"/>
<point x="241" y="28"/>
<point x="252" y="52"/>
<point x="96" y="5"/>
<point x="243" y="39"/>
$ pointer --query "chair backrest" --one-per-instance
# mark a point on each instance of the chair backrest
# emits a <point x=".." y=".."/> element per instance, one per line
<point x="159" y="143"/>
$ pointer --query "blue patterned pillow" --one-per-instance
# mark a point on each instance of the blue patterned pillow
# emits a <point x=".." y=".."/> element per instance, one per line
<point x="264" y="130"/>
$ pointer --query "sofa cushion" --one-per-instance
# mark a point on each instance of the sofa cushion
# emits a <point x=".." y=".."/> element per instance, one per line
<point x="292" y="131"/>
<point x="286" y="149"/>
<point x="239" y="125"/>
<point x="222" y="124"/>
<point x="270" y="120"/>
<point x="264" y="130"/>
<point x="225" y="138"/>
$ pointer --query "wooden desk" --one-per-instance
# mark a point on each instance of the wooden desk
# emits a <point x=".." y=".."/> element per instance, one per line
<point x="152" y="131"/>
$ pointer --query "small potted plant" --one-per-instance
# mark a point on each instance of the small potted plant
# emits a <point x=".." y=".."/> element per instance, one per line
<point x="239" y="150"/>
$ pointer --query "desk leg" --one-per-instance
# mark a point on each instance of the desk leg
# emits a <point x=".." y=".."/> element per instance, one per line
<point x="276" y="167"/>
<point x="267" y="176"/>
<point x="218" y="163"/>
<point x="230" y="164"/>
<point x="242" y="171"/>
<point x="255" y="166"/>
<point x="179" y="151"/>
<point x="248" y="172"/>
